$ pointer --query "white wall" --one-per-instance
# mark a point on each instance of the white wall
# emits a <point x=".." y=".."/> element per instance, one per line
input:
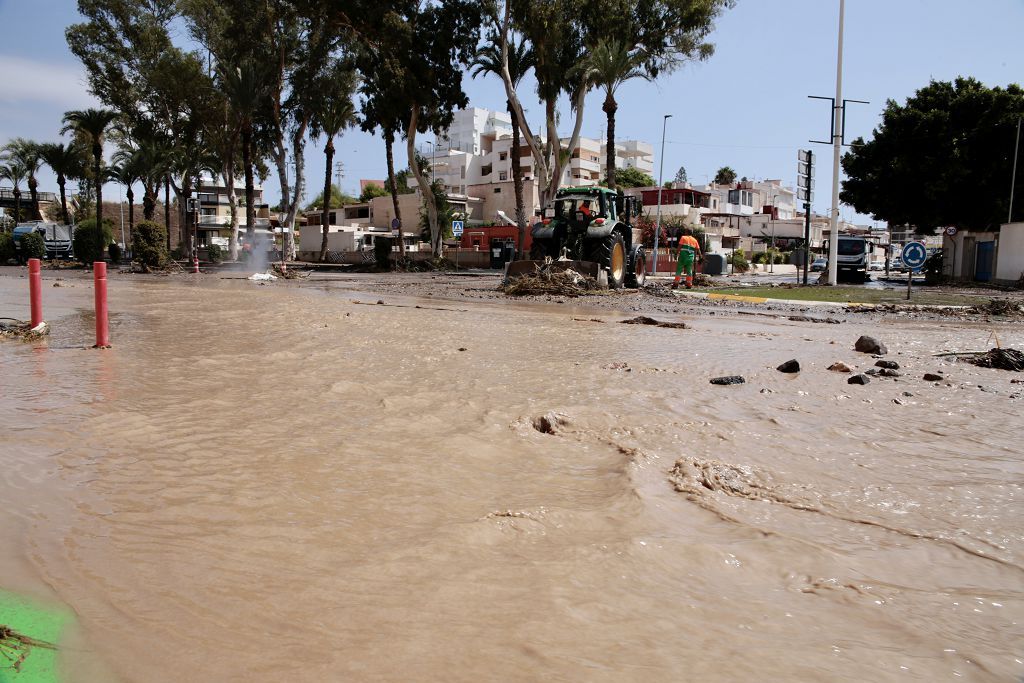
<point x="1010" y="259"/>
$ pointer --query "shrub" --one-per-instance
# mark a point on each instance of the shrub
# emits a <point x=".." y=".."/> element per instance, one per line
<point x="33" y="246"/>
<point x="114" y="249"/>
<point x="178" y="253"/>
<point x="149" y="244"/>
<point x="6" y="247"/>
<point x="214" y="253"/>
<point x="739" y="262"/>
<point x="88" y="248"/>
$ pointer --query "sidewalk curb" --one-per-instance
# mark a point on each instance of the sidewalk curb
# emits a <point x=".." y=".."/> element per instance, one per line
<point x="801" y="302"/>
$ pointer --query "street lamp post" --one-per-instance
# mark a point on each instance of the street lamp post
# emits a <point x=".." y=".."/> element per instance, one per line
<point x="661" y="185"/>
<point x="837" y="143"/>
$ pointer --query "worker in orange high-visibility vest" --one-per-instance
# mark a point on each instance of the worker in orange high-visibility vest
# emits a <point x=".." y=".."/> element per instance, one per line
<point x="689" y="253"/>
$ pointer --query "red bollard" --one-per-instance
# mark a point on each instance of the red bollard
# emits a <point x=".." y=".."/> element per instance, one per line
<point x="35" y="291"/>
<point x="99" y="273"/>
<point x="195" y="264"/>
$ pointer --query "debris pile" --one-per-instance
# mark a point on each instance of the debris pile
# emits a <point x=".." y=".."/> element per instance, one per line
<point x="1001" y="359"/>
<point x="1004" y="307"/>
<point x="15" y="647"/>
<point x="546" y="281"/>
<point x="19" y="329"/>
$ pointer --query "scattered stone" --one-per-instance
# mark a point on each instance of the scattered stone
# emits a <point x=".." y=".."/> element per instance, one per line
<point x="644" y="320"/>
<point x="730" y="379"/>
<point x="859" y="379"/>
<point x="549" y="424"/>
<point x="57" y="284"/>
<point x="888" y="364"/>
<point x="870" y="345"/>
<point x="840" y="367"/>
<point x="907" y="394"/>
<point x="618" y="366"/>
<point x="463" y="348"/>
<point x="987" y="390"/>
<point x="380" y="302"/>
<point x="898" y="402"/>
<point x="790" y="366"/>
<point x="886" y="372"/>
<point x="932" y="377"/>
<point x="809" y="319"/>
<point x="766" y="390"/>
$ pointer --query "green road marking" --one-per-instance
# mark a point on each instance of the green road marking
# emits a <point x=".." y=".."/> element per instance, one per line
<point x="41" y="623"/>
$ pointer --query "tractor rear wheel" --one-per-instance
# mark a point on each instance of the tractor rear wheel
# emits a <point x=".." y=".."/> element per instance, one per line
<point x="610" y="252"/>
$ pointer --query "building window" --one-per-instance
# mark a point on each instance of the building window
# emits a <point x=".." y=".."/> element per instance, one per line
<point x="503" y="156"/>
<point x="502" y="175"/>
<point x="497" y="190"/>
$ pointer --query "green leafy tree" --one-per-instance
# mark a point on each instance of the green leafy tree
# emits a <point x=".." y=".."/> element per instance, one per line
<point x="521" y="60"/>
<point x="681" y="175"/>
<point x="948" y="141"/>
<point x="93" y="124"/>
<point x="725" y="176"/>
<point x="372" y="190"/>
<point x="633" y="177"/>
<point x="338" y="198"/>
<point x="66" y="161"/>
<point x="332" y="113"/>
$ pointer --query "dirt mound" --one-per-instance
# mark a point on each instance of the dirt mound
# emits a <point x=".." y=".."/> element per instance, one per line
<point x="644" y="320"/>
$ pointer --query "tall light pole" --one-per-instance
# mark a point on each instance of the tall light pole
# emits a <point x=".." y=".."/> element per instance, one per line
<point x="837" y="144"/>
<point x="661" y="185"/>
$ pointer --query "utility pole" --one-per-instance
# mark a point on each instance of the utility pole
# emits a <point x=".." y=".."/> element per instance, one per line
<point x="339" y="172"/>
<point x="837" y="143"/>
<point x="661" y="185"/>
<point x="1013" y="181"/>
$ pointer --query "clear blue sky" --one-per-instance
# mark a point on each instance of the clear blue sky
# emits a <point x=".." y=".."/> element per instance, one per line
<point x="746" y="107"/>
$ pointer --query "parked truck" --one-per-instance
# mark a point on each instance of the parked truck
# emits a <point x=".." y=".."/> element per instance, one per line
<point x="854" y="257"/>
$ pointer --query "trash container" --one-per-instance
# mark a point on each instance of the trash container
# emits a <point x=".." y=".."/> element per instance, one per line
<point x="497" y="254"/>
<point x="714" y="264"/>
<point x="510" y="252"/>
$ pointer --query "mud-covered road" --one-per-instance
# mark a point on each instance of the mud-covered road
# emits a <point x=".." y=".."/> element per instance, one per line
<point x="413" y="478"/>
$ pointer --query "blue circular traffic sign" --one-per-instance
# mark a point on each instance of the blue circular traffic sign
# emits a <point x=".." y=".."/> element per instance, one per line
<point x="914" y="255"/>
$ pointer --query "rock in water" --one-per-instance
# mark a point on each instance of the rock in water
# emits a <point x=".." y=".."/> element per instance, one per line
<point x="790" y="366"/>
<point x="858" y="379"/>
<point x="932" y="377"/>
<point x="731" y="379"/>
<point x="888" y="364"/>
<point x="840" y="367"/>
<point x="868" y="344"/>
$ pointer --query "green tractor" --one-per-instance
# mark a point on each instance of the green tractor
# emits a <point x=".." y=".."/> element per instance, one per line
<point x="591" y="231"/>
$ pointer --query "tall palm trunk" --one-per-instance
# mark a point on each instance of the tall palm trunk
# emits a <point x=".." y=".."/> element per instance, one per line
<point x="250" y="189"/>
<point x="97" y="160"/>
<point x="131" y="210"/>
<point x="389" y="142"/>
<point x="517" y="181"/>
<point x="425" y="188"/>
<point x="61" y="180"/>
<point x="610" y="107"/>
<point x="325" y="214"/>
<point x="148" y="201"/>
<point x="229" y="181"/>
<point x="17" y="205"/>
<point x="167" y="208"/>
<point x="33" y="191"/>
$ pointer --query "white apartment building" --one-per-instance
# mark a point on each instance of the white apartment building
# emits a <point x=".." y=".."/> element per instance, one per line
<point x="477" y="150"/>
<point x="214" y="226"/>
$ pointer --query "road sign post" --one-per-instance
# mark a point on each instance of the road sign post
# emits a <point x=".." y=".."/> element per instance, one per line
<point x="457" y="228"/>
<point x="913" y="256"/>
<point x="805" y="191"/>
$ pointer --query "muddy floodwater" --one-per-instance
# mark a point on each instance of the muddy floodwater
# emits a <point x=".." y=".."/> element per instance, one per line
<point x="292" y="482"/>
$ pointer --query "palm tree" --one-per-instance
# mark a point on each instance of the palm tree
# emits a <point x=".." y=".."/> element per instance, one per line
<point x="521" y="58"/>
<point x="333" y="113"/>
<point x="246" y="89"/>
<point x="610" y="64"/>
<point x="65" y="161"/>
<point x="92" y="124"/>
<point x="26" y="152"/>
<point x="15" y="172"/>
<point x="127" y="171"/>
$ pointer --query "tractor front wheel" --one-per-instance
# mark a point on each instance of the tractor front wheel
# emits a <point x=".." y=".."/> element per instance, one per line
<point x="610" y="252"/>
<point x="637" y="275"/>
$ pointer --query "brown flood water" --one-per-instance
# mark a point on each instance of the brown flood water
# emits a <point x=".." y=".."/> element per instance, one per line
<point x="275" y="483"/>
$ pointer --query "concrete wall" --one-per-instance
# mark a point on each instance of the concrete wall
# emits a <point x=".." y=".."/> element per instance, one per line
<point x="1010" y="258"/>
